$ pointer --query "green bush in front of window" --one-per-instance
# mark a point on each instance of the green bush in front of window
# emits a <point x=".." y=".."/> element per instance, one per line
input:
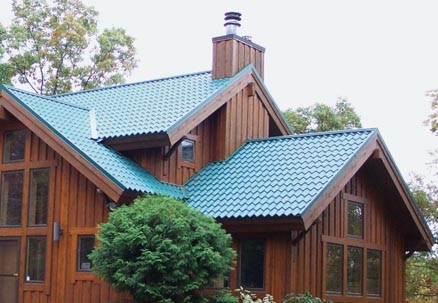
<point x="160" y="250"/>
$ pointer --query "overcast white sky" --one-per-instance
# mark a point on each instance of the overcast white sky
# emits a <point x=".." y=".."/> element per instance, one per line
<point x="381" y="55"/>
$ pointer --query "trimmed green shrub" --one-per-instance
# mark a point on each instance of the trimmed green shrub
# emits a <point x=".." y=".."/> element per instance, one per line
<point x="161" y="251"/>
<point x="223" y="296"/>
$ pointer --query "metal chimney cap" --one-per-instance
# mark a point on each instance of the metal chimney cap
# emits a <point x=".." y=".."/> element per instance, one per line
<point x="232" y="22"/>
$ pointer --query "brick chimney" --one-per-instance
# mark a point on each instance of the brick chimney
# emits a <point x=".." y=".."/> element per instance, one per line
<point x="231" y="53"/>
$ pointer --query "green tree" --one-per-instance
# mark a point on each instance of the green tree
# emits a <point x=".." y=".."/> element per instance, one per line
<point x="160" y="250"/>
<point x="54" y="47"/>
<point x="321" y="117"/>
<point x="422" y="267"/>
<point x="432" y="120"/>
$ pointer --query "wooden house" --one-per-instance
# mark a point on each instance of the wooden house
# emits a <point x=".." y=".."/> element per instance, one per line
<point x="327" y="213"/>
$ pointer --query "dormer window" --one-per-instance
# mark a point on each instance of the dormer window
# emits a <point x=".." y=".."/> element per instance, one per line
<point x="188" y="151"/>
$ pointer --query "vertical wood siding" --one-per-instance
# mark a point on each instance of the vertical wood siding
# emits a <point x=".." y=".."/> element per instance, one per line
<point x="231" y="56"/>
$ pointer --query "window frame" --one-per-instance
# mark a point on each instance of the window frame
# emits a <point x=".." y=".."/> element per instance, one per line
<point x="4" y="134"/>
<point x="78" y="252"/>
<point x="347" y="219"/>
<point x="28" y="238"/>
<point x="188" y="164"/>
<point x="2" y="174"/>
<point x="239" y="265"/>
<point x="31" y="170"/>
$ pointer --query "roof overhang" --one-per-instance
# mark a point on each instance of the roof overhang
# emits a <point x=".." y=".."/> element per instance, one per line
<point x="60" y="145"/>
<point x="374" y="150"/>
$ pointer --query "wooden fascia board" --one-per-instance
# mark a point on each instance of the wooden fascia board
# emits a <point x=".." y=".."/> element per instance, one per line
<point x="251" y="225"/>
<point x="4" y="114"/>
<point x="138" y="142"/>
<point x="204" y="112"/>
<point x="404" y="192"/>
<point x="336" y="186"/>
<point x="82" y="165"/>
<point x="272" y="109"/>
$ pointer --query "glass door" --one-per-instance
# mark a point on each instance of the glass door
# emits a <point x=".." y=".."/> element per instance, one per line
<point x="9" y="262"/>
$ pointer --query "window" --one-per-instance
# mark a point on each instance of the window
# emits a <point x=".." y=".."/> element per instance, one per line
<point x="335" y="259"/>
<point x="188" y="151"/>
<point x="354" y="270"/>
<point x="11" y="198"/>
<point x="355" y="219"/>
<point x="38" y="196"/>
<point x="85" y="247"/>
<point x="252" y="263"/>
<point x="374" y="273"/>
<point x="36" y="259"/>
<point x="14" y="146"/>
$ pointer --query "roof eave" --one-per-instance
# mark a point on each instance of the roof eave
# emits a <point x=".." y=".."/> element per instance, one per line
<point x="60" y="144"/>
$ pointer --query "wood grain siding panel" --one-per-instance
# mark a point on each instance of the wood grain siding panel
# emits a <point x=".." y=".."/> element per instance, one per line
<point x="382" y="232"/>
<point x="232" y="54"/>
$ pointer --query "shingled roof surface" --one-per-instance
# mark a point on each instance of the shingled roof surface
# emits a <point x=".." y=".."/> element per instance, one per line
<point x="147" y="107"/>
<point x="71" y="124"/>
<point x="274" y="177"/>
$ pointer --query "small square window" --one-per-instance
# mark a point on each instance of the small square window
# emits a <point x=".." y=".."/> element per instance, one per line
<point x="355" y="219"/>
<point x="188" y="151"/>
<point x="85" y="247"/>
<point x="14" y="146"/>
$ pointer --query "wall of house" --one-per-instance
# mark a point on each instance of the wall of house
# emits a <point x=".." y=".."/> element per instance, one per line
<point x="299" y="266"/>
<point x="74" y="203"/>
<point x="382" y="232"/>
<point x="243" y="117"/>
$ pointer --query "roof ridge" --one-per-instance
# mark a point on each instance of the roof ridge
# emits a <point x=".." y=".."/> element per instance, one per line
<point x="44" y="97"/>
<point x="316" y="134"/>
<point x="131" y="84"/>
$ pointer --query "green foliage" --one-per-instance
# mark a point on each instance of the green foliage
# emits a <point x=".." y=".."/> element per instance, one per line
<point x="422" y="267"/>
<point x="321" y="117"/>
<point x="432" y="119"/>
<point x="54" y="47"/>
<point x="303" y="298"/>
<point x="160" y="250"/>
<point x="223" y="296"/>
<point x="247" y="297"/>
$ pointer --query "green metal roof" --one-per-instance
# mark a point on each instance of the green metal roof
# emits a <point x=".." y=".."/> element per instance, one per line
<point x="72" y="124"/>
<point x="280" y="176"/>
<point x="147" y="107"/>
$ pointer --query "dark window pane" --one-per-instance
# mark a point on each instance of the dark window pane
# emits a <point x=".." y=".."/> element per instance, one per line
<point x="188" y="151"/>
<point x="36" y="259"/>
<point x="38" y="196"/>
<point x="354" y="270"/>
<point x="355" y="219"/>
<point x="374" y="273"/>
<point x="252" y="263"/>
<point x="85" y="247"/>
<point x="11" y="198"/>
<point x="335" y="259"/>
<point x="14" y="145"/>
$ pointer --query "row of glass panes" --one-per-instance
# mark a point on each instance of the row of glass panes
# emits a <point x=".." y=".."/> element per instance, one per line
<point x="36" y="256"/>
<point x="11" y="200"/>
<point x="354" y="266"/>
